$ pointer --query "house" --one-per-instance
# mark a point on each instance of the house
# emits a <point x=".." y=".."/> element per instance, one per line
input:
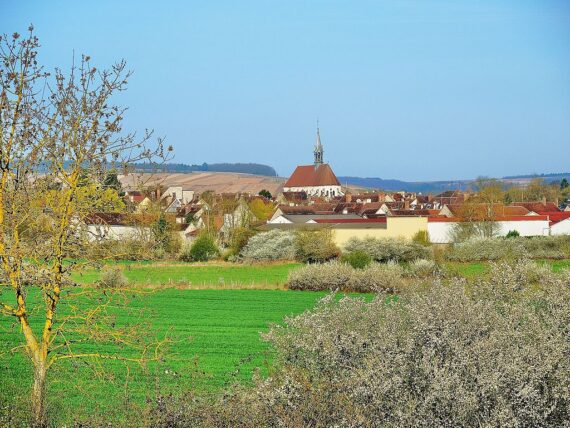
<point x="450" y="197"/>
<point x="136" y="201"/>
<point x="116" y="226"/>
<point x="560" y="223"/>
<point x="315" y="180"/>
<point x="175" y="197"/>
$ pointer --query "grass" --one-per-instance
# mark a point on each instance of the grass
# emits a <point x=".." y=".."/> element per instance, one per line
<point x="215" y="341"/>
<point x="189" y="275"/>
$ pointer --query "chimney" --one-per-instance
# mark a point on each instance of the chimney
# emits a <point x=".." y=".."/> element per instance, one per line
<point x="348" y="197"/>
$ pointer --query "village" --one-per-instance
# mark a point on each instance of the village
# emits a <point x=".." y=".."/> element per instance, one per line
<point x="312" y="198"/>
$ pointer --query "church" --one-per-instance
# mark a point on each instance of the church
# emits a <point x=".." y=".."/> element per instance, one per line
<point x="315" y="180"/>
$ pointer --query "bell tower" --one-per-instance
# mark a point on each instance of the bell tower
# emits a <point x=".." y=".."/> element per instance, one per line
<point x="318" y="151"/>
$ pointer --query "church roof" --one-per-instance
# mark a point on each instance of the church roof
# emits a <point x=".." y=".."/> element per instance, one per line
<point x="311" y="175"/>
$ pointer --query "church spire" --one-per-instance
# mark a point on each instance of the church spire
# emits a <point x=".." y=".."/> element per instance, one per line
<point x="318" y="149"/>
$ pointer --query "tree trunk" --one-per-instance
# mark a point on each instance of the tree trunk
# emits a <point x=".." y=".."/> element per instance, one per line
<point x="38" y="394"/>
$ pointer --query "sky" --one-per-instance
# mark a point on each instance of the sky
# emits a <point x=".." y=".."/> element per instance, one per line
<point x="406" y="89"/>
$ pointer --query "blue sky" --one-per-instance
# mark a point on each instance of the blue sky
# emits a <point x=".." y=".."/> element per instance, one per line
<point x="408" y="89"/>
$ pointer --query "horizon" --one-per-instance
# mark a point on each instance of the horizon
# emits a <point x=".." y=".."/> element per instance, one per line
<point x="402" y="89"/>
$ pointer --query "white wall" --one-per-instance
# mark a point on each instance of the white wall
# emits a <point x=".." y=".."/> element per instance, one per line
<point x="440" y="232"/>
<point x="115" y="233"/>
<point x="561" y="228"/>
<point x="317" y="190"/>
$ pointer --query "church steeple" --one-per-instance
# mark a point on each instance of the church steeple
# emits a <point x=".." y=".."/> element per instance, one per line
<point x="318" y="149"/>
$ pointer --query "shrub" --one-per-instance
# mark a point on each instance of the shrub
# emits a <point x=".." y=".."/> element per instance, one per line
<point x="318" y="277"/>
<point x="422" y="268"/>
<point x="540" y="247"/>
<point x="239" y="238"/>
<point x="341" y="276"/>
<point x="273" y="245"/>
<point x="487" y="249"/>
<point x="357" y="259"/>
<point x="201" y="250"/>
<point x="384" y="250"/>
<point x="548" y="247"/>
<point x="513" y="234"/>
<point x="489" y="356"/>
<point x="125" y="249"/>
<point x="113" y="277"/>
<point x="387" y="277"/>
<point x="315" y="246"/>
<point x="422" y="238"/>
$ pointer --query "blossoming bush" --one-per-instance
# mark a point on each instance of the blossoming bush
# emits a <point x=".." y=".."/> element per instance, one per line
<point x="341" y="276"/>
<point x="273" y="245"/>
<point x="384" y="250"/>
<point x="478" y="249"/>
<point x="422" y="269"/>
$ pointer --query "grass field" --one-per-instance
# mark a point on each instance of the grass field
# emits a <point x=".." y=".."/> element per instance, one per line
<point x="216" y="340"/>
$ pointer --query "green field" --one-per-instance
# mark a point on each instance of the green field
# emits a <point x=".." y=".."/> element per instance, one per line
<point x="216" y="341"/>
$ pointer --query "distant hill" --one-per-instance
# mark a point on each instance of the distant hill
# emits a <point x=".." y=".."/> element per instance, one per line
<point x="410" y="186"/>
<point x="244" y="168"/>
<point x="441" y="186"/>
<point x="556" y="175"/>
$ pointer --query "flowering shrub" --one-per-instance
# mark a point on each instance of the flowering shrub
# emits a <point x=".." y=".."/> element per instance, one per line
<point x="422" y="268"/>
<point x="318" y="277"/>
<point x="543" y="247"/>
<point x="384" y="250"/>
<point x="341" y="276"/>
<point x="113" y="277"/>
<point x="273" y="245"/>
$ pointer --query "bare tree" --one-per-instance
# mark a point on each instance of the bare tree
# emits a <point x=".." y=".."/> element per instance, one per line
<point x="55" y="134"/>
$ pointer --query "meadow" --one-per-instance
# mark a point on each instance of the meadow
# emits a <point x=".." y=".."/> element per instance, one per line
<point x="212" y="317"/>
<point x="215" y="341"/>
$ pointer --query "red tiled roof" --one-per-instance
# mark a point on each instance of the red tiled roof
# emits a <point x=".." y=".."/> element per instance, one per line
<point x="411" y="213"/>
<point x="311" y="175"/>
<point x="352" y="220"/>
<point x="539" y="207"/>
<point x="483" y="209"/>
<point x="557" y="217"/>
<point x="499" y="218"/>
